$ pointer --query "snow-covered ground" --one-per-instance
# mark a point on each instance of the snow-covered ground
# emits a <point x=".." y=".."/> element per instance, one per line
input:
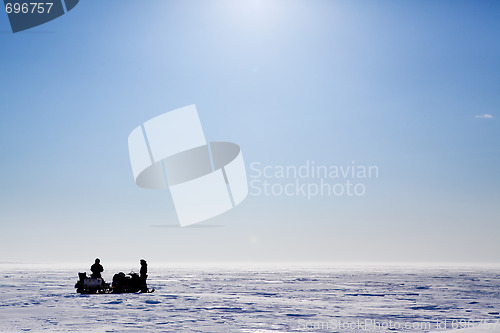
<point x="257" y="299"/>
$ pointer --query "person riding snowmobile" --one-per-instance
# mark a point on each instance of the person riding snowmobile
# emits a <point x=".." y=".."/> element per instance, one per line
<point x="96" y="269"/>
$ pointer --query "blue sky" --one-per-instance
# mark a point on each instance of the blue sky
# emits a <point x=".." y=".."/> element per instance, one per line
<point x="397" y="84"/>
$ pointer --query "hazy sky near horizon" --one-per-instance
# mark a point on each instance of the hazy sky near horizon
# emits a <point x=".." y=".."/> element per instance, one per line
<point x="411" y="87"/>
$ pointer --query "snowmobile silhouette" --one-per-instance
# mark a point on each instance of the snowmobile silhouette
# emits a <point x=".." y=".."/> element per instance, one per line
<point x="90" y="285"/>
<point x="130" y="283"/>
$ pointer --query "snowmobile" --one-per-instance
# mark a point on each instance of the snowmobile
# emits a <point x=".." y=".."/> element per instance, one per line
<point x="130" y="283"/>
<point x="89" y="285"/>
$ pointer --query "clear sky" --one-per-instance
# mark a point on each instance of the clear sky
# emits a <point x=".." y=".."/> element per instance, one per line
<point x="412" y="87"/>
